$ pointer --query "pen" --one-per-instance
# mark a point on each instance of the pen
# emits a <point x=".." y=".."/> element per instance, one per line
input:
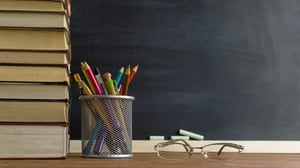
<point x="126" y="81"/>
<point x="100" y="80"/>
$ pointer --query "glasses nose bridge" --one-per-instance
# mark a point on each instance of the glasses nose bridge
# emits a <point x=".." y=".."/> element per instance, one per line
<point x="195" y="149"/>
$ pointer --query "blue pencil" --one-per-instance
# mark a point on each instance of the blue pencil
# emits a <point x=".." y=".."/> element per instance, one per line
<point x="93" y="137"/>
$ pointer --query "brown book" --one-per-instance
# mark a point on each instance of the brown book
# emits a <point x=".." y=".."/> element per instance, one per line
<point x="34" y="111"/>
<point x="29" y="140"/>
<point x="34" y="39"/>
<point x="32" y="19"/>
<point x="18" y="73"/>
<point x="34" y="91"/>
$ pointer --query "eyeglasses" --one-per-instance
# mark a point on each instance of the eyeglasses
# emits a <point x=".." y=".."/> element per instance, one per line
<point x="180" y="149"/>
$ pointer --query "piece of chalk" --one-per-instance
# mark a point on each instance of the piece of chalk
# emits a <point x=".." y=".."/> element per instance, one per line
<point x="191" y="134"/>
<point x="175" y="137"/>
<point x="154" y="137"/>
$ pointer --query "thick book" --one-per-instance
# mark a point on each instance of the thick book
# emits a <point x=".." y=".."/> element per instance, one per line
<point x="34" y="111"/>
<point x="35" y="58"/>
<point x="24" y="140"/>
<point x="34" y="91"/>
<point x="24" y="73"/>
<point x="34" y="39"/>
<point x="35" y="5"/>
<point x="32" y="19"/>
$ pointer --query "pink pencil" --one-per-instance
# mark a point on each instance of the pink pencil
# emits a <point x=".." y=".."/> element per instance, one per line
<point x="93" y="79"/>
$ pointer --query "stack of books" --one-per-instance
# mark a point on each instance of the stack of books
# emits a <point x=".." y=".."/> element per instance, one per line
<point x="35" y="55"/>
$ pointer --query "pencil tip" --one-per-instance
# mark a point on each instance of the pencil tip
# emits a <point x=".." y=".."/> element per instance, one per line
<point x="135" y="67"/>
<point x="127" y="71"/>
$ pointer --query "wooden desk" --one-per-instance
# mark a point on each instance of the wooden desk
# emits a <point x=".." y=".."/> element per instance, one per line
<point x="151" y="160"/>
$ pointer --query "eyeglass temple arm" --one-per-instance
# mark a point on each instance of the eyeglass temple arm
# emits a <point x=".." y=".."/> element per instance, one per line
<point x="232" y="145"/>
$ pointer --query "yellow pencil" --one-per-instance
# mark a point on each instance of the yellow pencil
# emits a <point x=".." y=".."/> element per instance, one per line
<point x="84" y="71"/>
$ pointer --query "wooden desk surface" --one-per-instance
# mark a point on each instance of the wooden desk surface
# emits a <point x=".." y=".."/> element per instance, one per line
<point x="151" y="160"/>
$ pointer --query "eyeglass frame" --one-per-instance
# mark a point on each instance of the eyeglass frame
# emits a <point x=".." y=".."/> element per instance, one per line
<point x="190" y="149"/>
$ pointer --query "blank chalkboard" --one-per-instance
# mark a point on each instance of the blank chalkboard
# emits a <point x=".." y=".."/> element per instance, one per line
<point x="226" y="69"/>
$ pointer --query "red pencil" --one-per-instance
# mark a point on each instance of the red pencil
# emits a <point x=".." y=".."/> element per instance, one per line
<point x="133" y="72"/>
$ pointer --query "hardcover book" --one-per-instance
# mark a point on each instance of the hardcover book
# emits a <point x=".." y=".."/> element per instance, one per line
<point x="33" y="91"/>
<point x="36" y="5"/>
<point x="34" y="111"/>
<point x="32" y="19"/>
<point x="35" y="58"/>
<point x="26" y="73"/>
<point x="34" y="39"/>
<point x="23" y="140"/>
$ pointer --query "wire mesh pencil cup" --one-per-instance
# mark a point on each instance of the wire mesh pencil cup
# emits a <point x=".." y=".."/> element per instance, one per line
<point x="106" y="126"/>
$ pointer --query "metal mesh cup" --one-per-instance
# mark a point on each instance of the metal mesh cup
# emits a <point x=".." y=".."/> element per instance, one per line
<point x="106" y="126"/>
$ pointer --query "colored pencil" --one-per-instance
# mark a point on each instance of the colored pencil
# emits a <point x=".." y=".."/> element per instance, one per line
<point x="133" y="72"/>
<point x="126" y="81"/>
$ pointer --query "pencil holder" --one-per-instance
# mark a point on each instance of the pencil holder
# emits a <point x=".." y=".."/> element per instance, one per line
<point x="106" y="126"/>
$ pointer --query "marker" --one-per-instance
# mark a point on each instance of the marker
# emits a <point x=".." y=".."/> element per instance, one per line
<point x="191" y="134"/>
<point x="119" y="76"/>
<point x="109" y="83"/>
<point x="126" y="81"/>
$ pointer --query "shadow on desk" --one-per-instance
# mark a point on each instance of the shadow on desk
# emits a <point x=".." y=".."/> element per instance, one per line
<point x="151" y="160"/>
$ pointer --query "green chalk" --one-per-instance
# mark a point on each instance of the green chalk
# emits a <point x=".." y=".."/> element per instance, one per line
<point x="191" y="134"/>
<point x="174" y="137"/>
<point x="154" y="137"/>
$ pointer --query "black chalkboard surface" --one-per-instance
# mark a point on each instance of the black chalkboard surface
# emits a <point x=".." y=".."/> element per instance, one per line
<point x="226" y="69"/>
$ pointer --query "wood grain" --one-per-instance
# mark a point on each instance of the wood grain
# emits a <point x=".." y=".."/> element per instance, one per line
<point x="151" y="160"/>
